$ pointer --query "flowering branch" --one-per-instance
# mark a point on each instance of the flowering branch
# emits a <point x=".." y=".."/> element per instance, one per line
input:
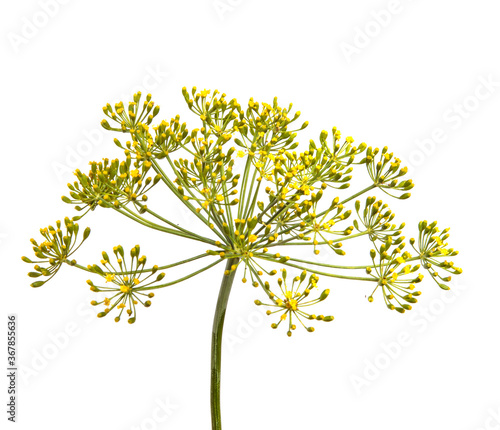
<point x="276" y="198"/>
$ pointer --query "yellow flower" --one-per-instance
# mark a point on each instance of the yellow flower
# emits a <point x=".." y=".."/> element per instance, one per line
<point x="306" y="189"/>
<point x="219" y="197"/>
<point x="134" y="173"/>
<point x="110" y="277"/>
<point x="125" y="288"/>
<point x="241" y="154"/>
<point x="252" y="238"/>
<point x="349" y="139"/>
<point x="438" y="240"/>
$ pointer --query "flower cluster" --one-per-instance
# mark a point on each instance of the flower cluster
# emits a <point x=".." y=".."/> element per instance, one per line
<point x="431" y="246"/>
<point x="300" y="172"/>
<point x="129" y="119"/>
<point x="376" y="219"/>
<point x="268" y="125"/>
<point x="211" y="178"/>
<point x="280" y="195"/>
<point x="394" y="276"/>
<point x="126" y="289"/>
<point x="385" y="170"/>
<point x="293" y="299"/>
<point x="111" y="183"/>
<point x="320" y="229"/>
<point x="217" y="114"/>
<point x="57" y="247"/>
<point x="344" y="153"/>
<point x="206" y="183"/>
<point x="168" y="137"/>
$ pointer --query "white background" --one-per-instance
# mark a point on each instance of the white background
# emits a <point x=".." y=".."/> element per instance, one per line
<point x="421" y="74"/>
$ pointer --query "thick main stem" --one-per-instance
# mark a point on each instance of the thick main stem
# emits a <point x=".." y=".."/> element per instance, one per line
<point x="220" y="313"/>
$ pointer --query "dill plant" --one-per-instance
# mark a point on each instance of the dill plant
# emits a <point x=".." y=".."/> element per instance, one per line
<point x="284" y="197"/>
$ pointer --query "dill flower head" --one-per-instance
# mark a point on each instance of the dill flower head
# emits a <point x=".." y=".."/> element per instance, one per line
<point x="127" y="287"/>
<point x="260" y="197"/>
<point x="432" y="247"/>
<point x="385" y="171"/>
<point x="376" y="219"/>
<point x="60" y="242"/>
<point x="127" y="118"/>
<point x="292" y="300"/>
<point x="111" y="183"/>
<point x="394" y="276"/>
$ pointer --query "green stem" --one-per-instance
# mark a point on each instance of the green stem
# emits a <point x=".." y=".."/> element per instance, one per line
<point x="201" y="238"/>
<point x="311" y="243"/>
<point x="168" y="266"/>
<point x="183" y="278"/>
<point x="220" y="313"/>
<point x="371" y="187"/>
<point x="331" y="275"/>
<point x="332" y="266"/>
<point x="172" y="188"/>
<point x="343" y="202"/>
